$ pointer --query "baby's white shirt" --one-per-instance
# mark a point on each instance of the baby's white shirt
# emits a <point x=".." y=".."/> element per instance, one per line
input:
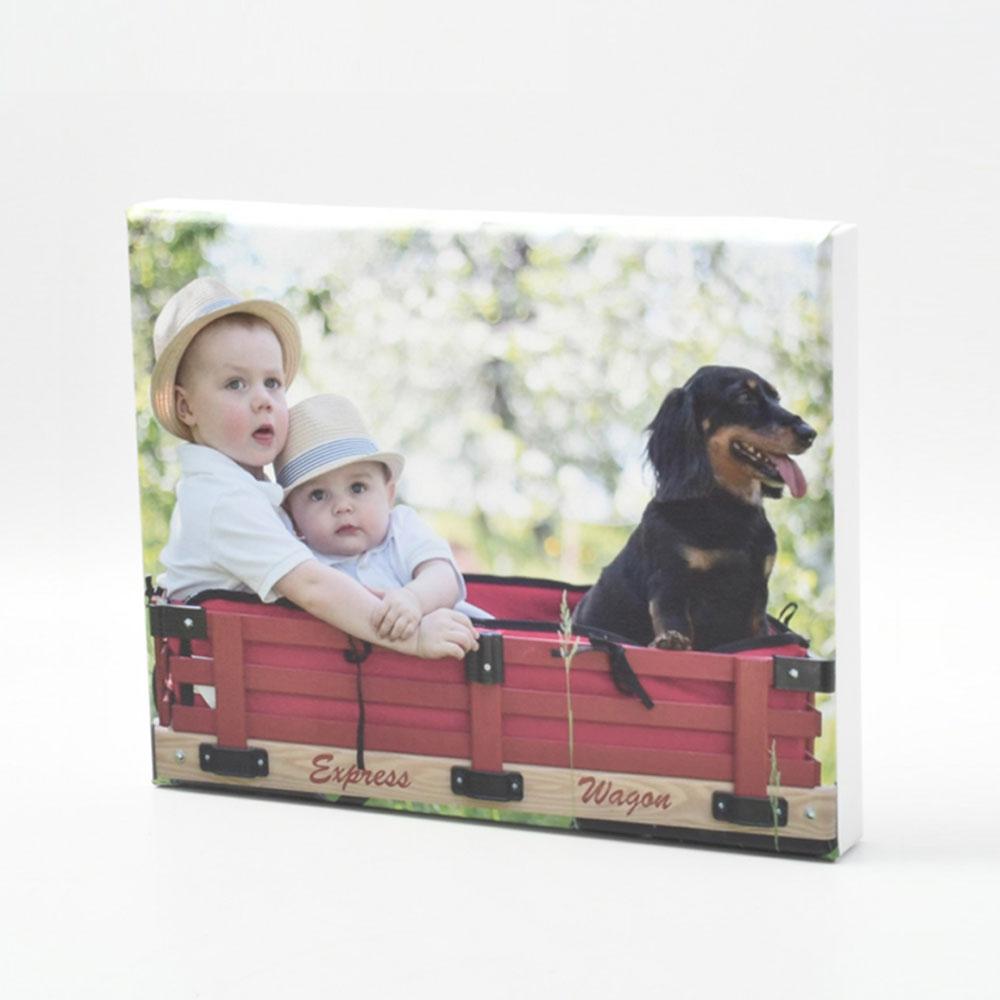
<point x="409" y="542"/>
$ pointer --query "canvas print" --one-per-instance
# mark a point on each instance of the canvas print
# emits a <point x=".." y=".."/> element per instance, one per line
<point x="516" y="518"/>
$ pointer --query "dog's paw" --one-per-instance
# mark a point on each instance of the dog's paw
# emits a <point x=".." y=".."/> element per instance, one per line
<point x="671" y="640"/>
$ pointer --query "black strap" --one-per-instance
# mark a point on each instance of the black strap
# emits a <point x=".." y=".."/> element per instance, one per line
<point x="607" y="642"/>
<point x="357" y="654"/>
<point x="787" y="613"/>
<point x="621" y="670"/>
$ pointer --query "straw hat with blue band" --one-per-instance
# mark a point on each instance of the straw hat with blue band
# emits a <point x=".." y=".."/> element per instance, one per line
<point x="325" y="433"/>
<point x="185" y="315"/>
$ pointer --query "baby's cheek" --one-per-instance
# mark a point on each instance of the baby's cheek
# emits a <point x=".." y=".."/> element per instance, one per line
<point x="231" y="416"/>
<point x="235" y="425"/>
<point x="316" y="529"/>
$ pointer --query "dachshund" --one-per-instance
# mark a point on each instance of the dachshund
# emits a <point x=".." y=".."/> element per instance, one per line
<point x="693" y="574"/>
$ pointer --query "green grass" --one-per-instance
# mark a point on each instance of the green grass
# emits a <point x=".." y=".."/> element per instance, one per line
<point x="474" y="812"/>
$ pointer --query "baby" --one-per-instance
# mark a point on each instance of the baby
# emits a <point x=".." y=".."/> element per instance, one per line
<point x="219" y="379"/>
<point x="339" y="489"/>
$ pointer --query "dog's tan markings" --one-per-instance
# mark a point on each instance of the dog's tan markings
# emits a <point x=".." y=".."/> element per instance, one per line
<point x="740" y="478"/>
<point x="751" y="384"/>
<point x="733" y="475"/>
<point x="705" y="424"/>
<point x="768" y="566"/>
<point x="702" y="559"/>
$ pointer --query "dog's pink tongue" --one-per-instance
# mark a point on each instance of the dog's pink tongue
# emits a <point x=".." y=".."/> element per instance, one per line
<point x="792" y="475"/>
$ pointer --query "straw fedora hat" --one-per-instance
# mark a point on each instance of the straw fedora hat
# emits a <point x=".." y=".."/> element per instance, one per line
<point x="324" y="433"/>
<point x="189" y="311"/>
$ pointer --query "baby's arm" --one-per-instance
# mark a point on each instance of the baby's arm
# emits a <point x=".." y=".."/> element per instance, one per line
<point x="433" y="586"/>
<point x="341" y="601"/>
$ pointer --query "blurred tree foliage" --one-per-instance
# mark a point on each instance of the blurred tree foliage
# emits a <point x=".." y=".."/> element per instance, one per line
<point x="163" y="257"/>
<point x="517" y="372"/>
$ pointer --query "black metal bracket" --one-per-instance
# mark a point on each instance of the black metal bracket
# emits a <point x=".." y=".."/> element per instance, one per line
<point x="495" y="786"/>
<point x="178" y="621"/>
<point x="747" y="810"/>
<point x="485" y="665"/>
<point x="802" y="673"/>
<point x="250" y="762"/>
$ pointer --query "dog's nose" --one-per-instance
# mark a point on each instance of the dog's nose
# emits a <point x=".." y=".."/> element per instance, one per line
<point x="804" y="433"/>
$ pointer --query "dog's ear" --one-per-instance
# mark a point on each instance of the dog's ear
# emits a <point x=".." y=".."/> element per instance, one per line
<point x="676" y="450"/>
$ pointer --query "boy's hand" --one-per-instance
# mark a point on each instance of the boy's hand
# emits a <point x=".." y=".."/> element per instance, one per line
<point x="445" y="632"/>
<point x="398" y="616"/>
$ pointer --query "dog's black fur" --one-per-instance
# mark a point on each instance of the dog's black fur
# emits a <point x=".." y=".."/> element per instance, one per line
<point x="694" y="572"/>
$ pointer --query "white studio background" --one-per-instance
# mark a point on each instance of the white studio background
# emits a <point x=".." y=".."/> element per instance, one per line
<point x="883" y="114"/>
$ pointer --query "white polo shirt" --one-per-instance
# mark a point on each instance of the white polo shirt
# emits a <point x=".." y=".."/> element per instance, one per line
<point x="409" y="542"/>
<point x="228" y="530"/>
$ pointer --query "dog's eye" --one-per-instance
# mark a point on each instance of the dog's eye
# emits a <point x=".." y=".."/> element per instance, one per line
<point x="745" y="396"/>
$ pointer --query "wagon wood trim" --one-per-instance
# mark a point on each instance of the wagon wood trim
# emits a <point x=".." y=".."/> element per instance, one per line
<point x="751" y="764"/>
<point x="538" y="704"/>
<point x="515" y="749"/>
<point x="161" y="694"/>
<point x="537" y="651"/>
<point x="486" y="726"/>
<point x="396" y="739"/>
<point x="584" y="792"/>
<point x="226" y="634"/>
<point x="642" y="760"/>
<point x="520" y="650"/>
<point x="239" y="638"/>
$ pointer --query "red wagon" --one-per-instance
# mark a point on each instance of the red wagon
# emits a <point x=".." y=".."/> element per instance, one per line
<point x="708" y="747"/>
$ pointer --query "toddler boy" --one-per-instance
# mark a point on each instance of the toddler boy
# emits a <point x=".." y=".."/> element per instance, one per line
<point x="339" y="489"/>
<point x="221" y="370"/>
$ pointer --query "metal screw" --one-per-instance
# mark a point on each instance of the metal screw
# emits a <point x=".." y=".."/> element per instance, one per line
<point x="486" y="668"/>
<point x="179" y="755"/>
<point x="810" y="812"/>
<point x="721" y="806"/>
<point x="794" y="673"/>
<point x="513" y="786"/>
<point x="260" y="761"/>
<point x="188" y="623"/>
<point x="458" y="779"/>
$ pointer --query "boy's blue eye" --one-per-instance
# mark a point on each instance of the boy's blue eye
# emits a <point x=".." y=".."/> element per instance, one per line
<point x="317" y="495"/>
<point x="272" y="383"/>
<point x="235" y="383"/>
<point x="358" y="487"/>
